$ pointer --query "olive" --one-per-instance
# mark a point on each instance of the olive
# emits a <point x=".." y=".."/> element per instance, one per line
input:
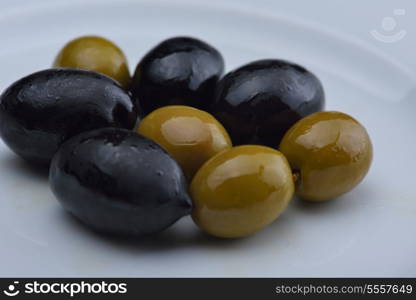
<point x="97" y="54"/>
<point x="330" y="152"/>
<point x="190" y="135"/>
<point x="180" y="70"/>
<point x="241" y="190"/>
<point x="259" y="102"/>
<point x="119" y="182"/>
<point x="42" y="110"/>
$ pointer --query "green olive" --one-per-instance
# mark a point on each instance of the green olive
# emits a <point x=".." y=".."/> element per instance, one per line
<point x="241" y="190"/>
<point x="190" y="135"/>
<point x="95" y="54"/>
<point x="332" y="153"/>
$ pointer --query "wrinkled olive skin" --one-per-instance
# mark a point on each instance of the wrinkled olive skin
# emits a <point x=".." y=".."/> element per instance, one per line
<point x="178" y="71"/>
<point x="260" y="101"/>
<point x="241" y="190"/>
<point x="190" y="135"/>
<point x="42" y="110"/>
<point x="119" y="182"/>
<point x="332" y="153"/>
<point x="96" y="54"/>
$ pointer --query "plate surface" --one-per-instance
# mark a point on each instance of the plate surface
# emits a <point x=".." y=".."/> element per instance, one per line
<point x="368" y="232"/>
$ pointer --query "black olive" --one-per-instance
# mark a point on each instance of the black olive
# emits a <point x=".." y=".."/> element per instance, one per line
<point x="119" y="182"/>
<point x="260" y="101"/>
<point x="42" y="110"/>
<point x="179" y="70"/>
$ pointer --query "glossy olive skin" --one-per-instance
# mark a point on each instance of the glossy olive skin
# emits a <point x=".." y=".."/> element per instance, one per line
<point x="241" y="190"/>
<point x="42" y="110"/>
<point x="332" y="153"/>
<point x="119" y="182"/>
<point x="190" y="135"/>
<point x="259" y="102"/>
<point x="178" y="71"/>
<point x="96" y="54"/>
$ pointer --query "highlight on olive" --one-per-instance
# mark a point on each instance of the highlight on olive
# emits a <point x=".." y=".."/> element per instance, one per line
<point x="95" y="53"/>
<point x="258" y="102"/>
<point x="178" y="71"/>
<point x="40" y="111"/>
<point x="190" y="135"/>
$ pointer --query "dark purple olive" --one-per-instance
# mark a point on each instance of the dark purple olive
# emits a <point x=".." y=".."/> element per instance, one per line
<point x="119" y="182"/>
<point x="260" y="101"/>
<point x="178" y="71"/>
<point x="42" y="110"/>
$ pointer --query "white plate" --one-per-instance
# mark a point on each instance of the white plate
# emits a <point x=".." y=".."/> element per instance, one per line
<point x="368" y="232"/>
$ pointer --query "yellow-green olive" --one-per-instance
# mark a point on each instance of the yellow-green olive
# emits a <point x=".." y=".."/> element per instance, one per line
<point x="190" y="135"/>
<point x="332" y="153"/>
<point x="241" y="190"/>
<point x="95" y="54"/>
